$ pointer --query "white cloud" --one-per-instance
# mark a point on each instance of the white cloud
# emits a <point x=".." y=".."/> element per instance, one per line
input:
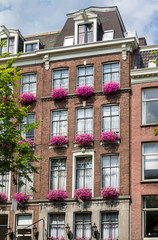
<point x="37" y="16"/>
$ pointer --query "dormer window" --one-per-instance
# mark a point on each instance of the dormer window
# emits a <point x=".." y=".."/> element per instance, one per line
<point x="85" y="33"/>
<point x="31" y="46"/>
<point x="9" y="45"/>
<point x="108" y="35"/>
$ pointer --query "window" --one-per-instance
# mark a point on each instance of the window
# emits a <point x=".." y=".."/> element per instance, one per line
<point x="149" y="104"/>
<point x="60" y="78"/>
<point x="3" y="226"/>
<point x="58" y="173"/>
<point x="110" y="118"/>
<point x="84" y="120"/>
<point x="9" y="45"/>
<point x="150" y="217"/>
<point x="28" y="120"/>
<point x="29" y="83"/>
<point x="109" y="225"/>
<point x="59" y="123"/>
<point x="108" y="35"/>
<point x="110" y="171"/>
<point x="26" y="187"/>
<point x="83" y="225"/>
<point x="31" y="47"/>
<point x="85" y="33"/>
<point x="56" y="225"/>
<point x="111" y="72"/>
<point x="85" y="76"/>
<point x="22" y="232"/>
<point x="150" y="160"/>
<point x="4" y="180"/>
<point x="83" y="172"/>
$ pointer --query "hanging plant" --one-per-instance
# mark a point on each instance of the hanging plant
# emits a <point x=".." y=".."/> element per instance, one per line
<point x="109" y="137"/>
<point x="83" y="193"/>
<point x="26" y="98"/>
<point x="84" y="91"/>
<point x="3" y="197"/>
<point x="58" y="140"/>
<point x="110" y="88"/>
<point x="110" y="193"/>
<point x="57" y="195"/>
<point x="58" y="93"/>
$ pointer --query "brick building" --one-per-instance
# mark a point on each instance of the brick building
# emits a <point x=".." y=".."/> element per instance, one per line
<point x="93" y="49"/>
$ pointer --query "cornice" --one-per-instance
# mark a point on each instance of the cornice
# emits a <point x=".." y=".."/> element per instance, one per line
<point x="144" y="75"/>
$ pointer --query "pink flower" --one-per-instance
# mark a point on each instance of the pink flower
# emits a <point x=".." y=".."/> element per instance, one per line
<point x="26" y="98"/>
<point x="110" y="88"/>
<point x="21" y="197"/>
<point x="84" y="91"/>
<point x="58" y="93"/>
<point x="84" y="138"/>
<point x="109" y="136"/>
<point x="57" y="195"/>
<point x="3" y="197"/>
<point x="58" y="140"/>
<point x="83" y="193"/>
<point x="28" y="140"/>
<point x="110" y="193"/>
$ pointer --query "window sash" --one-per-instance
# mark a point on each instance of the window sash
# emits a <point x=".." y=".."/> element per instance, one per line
<point x="84" y="123"/>
<point x="83" y="225"/>
<point x="31" y="47"/>
<point x="85" y="76"/>
<point x="109" y="225"/>
<point x="29" y="83"/>
<point x="83" y="172"/>
<point x="31" y="133"/>
<point x="58" y="174"/>
<point x="110" y="118"/>
<point x="59" y="123"/>
<point x="56" y="225"/>
<point x="111" y="72"/>
<point x="4" y="180"/>
<point x="60" y="78"/>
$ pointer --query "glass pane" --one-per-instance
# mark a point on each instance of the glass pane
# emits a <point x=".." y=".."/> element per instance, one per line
<point x="81" y="71"/>
<point x="106" y="161"/>
<point x="56" y="74"/>
<point x="150" y="148"/>
<point x="64" y="73"/>
<point x="24" y="220"/>
<point x="106" y="111"/>
<point x="26" y="79"/>
<point x="150" y="93"/>
<point x="150" y="202"/>
<point x="80" y="113"/>
<point x="151" y="224"/>
<point x="63" y="115"/>
<point x="89" y="70"/>
<point x="89" y="113"/>
<point x="149" y="113"/>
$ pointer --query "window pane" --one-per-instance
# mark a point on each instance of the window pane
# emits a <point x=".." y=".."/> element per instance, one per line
<point x="24" y="220"/>
<point x="83" y="225"/>
<point x="57" y="225"/>
<point x="58" y="174"/>
<point x="109" y="226"/>
<point x="149" y="113"/>
<point x="85" y="76"/>
<point x="29" y="83"/>
<point x="150" y="94"/>
<point x="111" y="72"/>
<point x="150" y="202"/>
<point x="60" y="78"/>
<point x="59" y="123"/>
<point x="84" y="121"/>
<point x="4" y="180"/>
<point x="110" y="118"/>
<point x="151" y="224"/>
<point x="83" y="172"/>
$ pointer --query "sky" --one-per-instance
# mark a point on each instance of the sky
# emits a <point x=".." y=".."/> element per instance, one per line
<point x="40" y="16"/>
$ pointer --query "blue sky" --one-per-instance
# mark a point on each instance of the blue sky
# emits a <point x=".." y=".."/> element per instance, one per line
<point x="39" y="16"/>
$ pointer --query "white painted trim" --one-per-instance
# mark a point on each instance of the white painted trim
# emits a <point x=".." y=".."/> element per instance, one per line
<point x="31" y="42"/>
<point x="149" y="48"/>
<point x="88" y="152"/>
<point x="144" y="75"/>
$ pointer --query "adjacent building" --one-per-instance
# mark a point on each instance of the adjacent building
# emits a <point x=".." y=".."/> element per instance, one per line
<point x="92" y="49"/>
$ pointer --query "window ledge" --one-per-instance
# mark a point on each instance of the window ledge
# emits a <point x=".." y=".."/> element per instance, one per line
<point x="83" y="145"/>
<point x="148" y="125"/>
<point x="149" y="181"/>
<point x="110" y="143"/>
<point x="62" y="146"/>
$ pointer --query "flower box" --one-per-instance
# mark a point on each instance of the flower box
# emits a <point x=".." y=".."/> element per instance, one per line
<point x="21" y="197"/>
<point x="84" y="139"/>
<point x="57" y="195"/>
<point x="58" y="140"/>
<point x="110" y="193"/>
<point x="83" y="193"/>
<point x="84" y="91"/>
<point x="109" y="137"/>
<point x="3" y="197"/>
<point x="110" y="88"/>
<point x="26" y="98"/>
<point x="58" y="93"/>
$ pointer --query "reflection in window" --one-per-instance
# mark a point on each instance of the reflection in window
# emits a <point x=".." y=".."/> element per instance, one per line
<point x="110" y="118"/>
<point x="84" y="120"/>
<point x="59" y="123"/>
<point x="150" y="160"/>
<point x="149" y="106"/>
<point x="83" y="225"/>
<point x="111" y="72"/>
<point x="85" y="76"/>
<point x="85" y="33"/>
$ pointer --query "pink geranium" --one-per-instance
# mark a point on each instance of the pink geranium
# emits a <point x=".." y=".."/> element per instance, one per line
<point x="109" y="136"/>
<point x="21" y="197"/>
<point x="3" y="197"/>
<point x="26" y="98"/>
<point x="84" y="91"/>
<point x="110" y="88"/>
<point x="110" y="193"/>
<point x="57" y="195"/>
<point x="58" y="140"/>
<point x="83" y="193"/>
<point x="84" y="139"/>
<point x="28" y="140"/>
<point x="58" y="93"/>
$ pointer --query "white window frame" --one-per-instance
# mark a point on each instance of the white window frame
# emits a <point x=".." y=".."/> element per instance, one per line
<point x="143" y="218"/>
<point x="110" y="168"/>
<point x="106" y="63"/>
<point x="50" y="164"/>
<point x="9" y="184"/>
<point x="51" y="129"/>
<point x="68" y="41"/>
<point x="23" y="135"/>
<point x="83" y="66"/>
<point x="109" y="222"/>
<point x="79" y="213"/>
<point x="143" y="162"/>
<point x="60" y="69"/>
<point x="87" y="153"/>
<point x="143" y="108"/>
<point x="31" y="42"/>
<point x="55" y="213"/>
<point x="28" y="74"/>
<point x="17" y="227"/>
<point x="109" y="105"/>
<point x="108" y="31"/>
<point x="76" y="131"/>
